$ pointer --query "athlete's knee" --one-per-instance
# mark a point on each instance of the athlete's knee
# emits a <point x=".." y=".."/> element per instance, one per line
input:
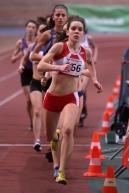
<point x="37" y="112"/>
<point x="67" y="130"/>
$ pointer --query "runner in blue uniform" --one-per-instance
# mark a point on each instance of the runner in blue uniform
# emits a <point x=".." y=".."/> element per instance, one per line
<point x="21" y="48"/>
<point x="44" y="42"/>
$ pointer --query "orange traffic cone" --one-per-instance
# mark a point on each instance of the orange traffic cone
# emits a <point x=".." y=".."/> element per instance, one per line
<point x="116" y="88"/>
<point x="95" y="168"/>
<point x="118" y="80"/>
<point x="116" y="91"/>
<point x="110" y="182"/>
<point x="110" y="105"/>
<point x="105" y="124"/>
<point x="95" y="142"/>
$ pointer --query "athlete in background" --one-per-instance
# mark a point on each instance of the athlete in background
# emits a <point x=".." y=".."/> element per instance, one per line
<point x="25" y="71"/>
<point x="46" y="40"/>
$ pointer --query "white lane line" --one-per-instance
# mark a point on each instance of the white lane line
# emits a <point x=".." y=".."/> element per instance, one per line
<point x="11" y="97"/>
<point x="47" y="145"/>
<point x="8" y="76"/>
<point x="30" y="145"/>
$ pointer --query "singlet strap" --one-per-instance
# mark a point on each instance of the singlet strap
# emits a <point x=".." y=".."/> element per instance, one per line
<point x="64" y="52"/>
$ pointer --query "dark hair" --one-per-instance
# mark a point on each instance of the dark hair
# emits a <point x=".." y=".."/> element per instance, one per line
<point x="31" y="21"/>
<point x="62" y="37"/>
<point x="60" y="6"/>
<point x="50" y="21"/>
<point x="76" y="18"/>
<point x="41" y="20"/>
<point x="49" y="24"/>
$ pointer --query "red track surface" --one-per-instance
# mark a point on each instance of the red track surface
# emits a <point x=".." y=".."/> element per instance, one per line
<point x="22" y="170"/>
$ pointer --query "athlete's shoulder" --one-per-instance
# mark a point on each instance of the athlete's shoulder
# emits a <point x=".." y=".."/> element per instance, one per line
<point x="57" y="46"/>
<point x="60" y="48"/>
<point x="88" y="53"/>
<point x="19" y="41"/>
<point x="18" y="44"/>
<point x="88" y="50"/>
<point x="44" y="36"/>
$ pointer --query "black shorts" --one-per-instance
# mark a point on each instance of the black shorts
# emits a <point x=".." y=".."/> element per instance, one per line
<point x="47" y="85"/>
<point x="26" y="77"/>
<point x="35" y="85"/>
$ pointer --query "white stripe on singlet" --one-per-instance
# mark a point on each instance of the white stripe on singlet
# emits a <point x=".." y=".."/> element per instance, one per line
<point x="76" y="97"/>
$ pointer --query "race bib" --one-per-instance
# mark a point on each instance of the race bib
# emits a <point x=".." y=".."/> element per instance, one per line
<point x="76" y="66"/>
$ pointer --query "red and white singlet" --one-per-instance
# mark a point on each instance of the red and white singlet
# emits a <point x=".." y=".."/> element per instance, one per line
<point x="77" y="59"/>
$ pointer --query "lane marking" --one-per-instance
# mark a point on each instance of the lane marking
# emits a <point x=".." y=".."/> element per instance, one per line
<point x="11" y="97"/>
<point x="8" y="76"/>
<point x="30" y="145"/>
<point x="47" y="145"/>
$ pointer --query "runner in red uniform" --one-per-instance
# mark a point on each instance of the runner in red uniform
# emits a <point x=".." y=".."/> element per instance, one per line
<point x="70" y="60"/>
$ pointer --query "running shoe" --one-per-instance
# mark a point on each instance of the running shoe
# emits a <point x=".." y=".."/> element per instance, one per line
<point x="55" y="172"/>
<point x="61" y="178"/>
<point x="48" y="156"/>
<point x="37" y="146"/>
